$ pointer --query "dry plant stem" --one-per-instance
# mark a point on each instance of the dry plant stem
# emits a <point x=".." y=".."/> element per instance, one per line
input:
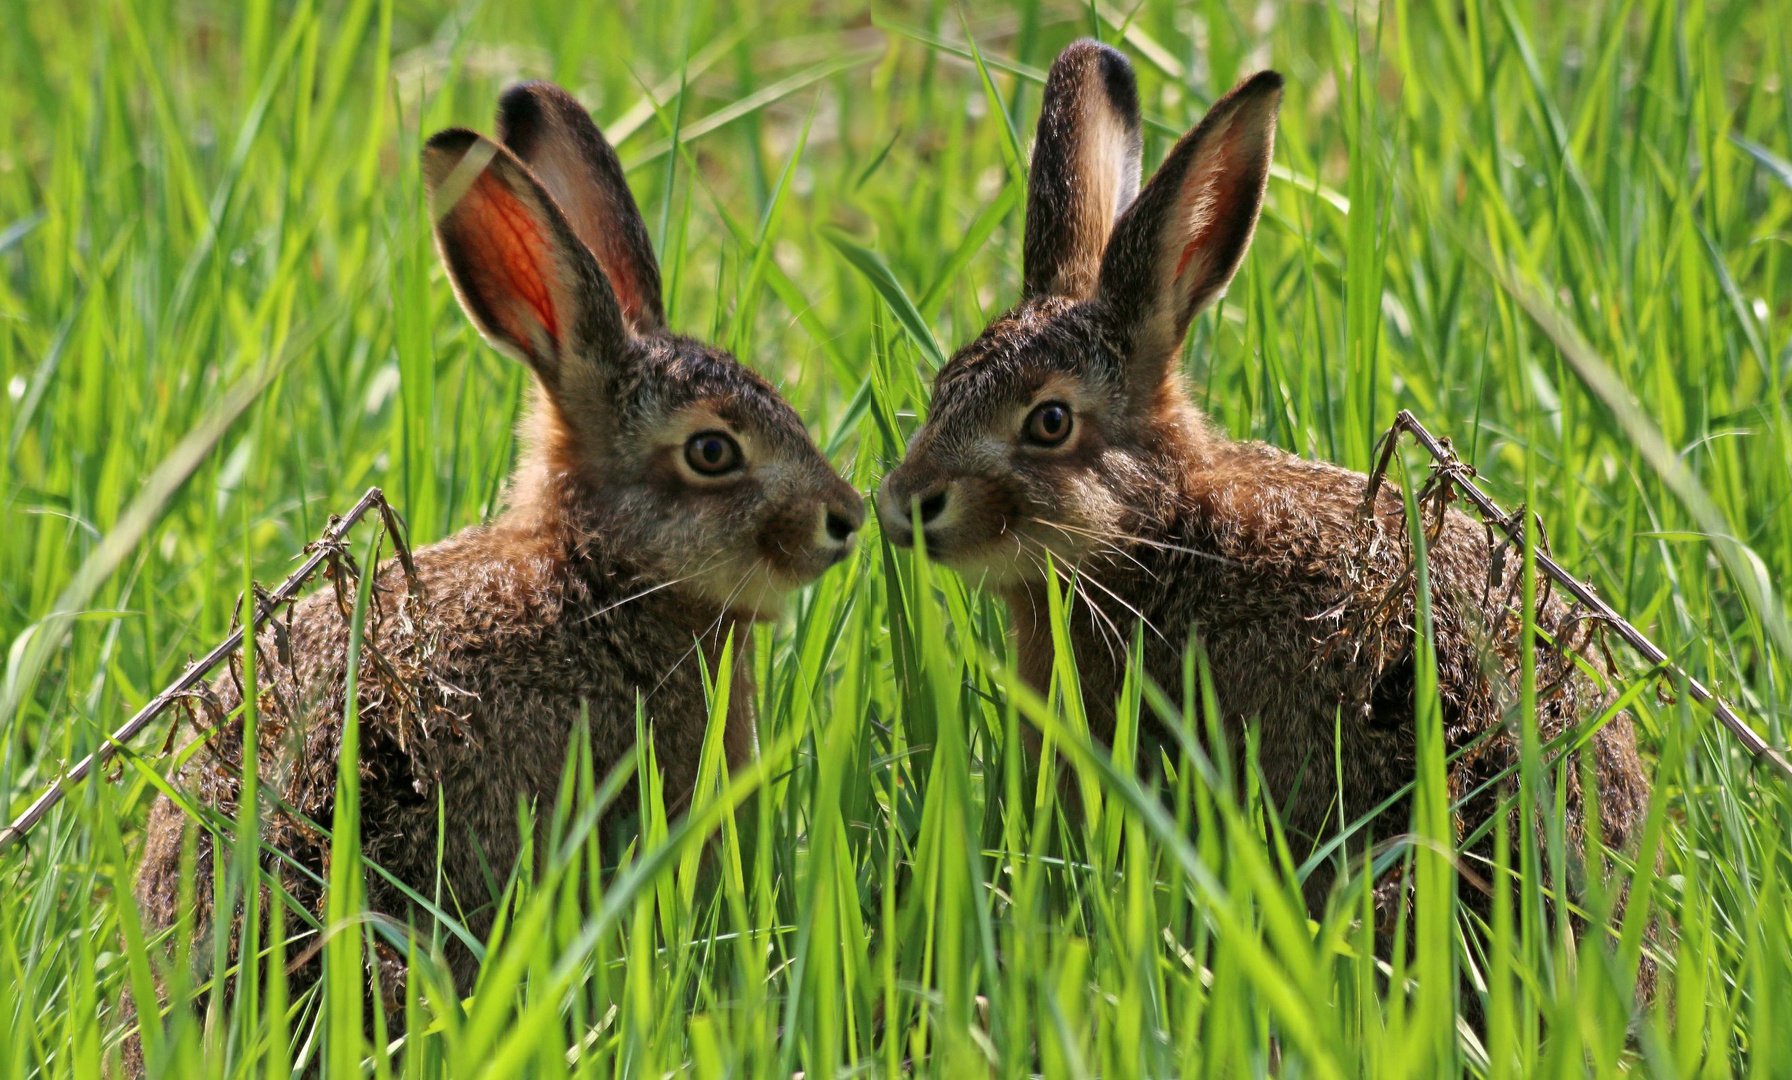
<point x="265" y="606"/>
<point x="1453" y="471"/>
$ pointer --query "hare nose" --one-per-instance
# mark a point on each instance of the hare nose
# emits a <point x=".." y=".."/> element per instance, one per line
<point x="933" y="506"/>
<point x="841" y="516"/>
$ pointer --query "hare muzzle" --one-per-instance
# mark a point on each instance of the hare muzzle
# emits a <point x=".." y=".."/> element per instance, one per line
<point x="806" y="536"/>
<point x="900" y="505"/>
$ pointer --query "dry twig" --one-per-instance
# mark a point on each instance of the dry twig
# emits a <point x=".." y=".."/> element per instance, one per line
<point x="1452" y="472"/>
<point x="191" y="680"/>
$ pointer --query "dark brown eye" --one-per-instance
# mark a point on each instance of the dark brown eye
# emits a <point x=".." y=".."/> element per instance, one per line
<point x="712" y="453"/>
<point x="1048" y="424"/>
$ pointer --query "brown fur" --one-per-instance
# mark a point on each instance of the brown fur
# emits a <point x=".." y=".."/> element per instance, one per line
<point x="615" y="565"/>
<point x="1301" y="595"/>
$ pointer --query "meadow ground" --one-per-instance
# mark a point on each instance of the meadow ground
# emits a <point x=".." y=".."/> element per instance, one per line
<point x="221" y="320"/>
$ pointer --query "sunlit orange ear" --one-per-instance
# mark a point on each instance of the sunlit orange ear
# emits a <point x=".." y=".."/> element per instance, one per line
<point x="1176" y="248"/>
<point x="508" y="257"/>
<point x="524" y="278"/>
<point x="548" y="130"/>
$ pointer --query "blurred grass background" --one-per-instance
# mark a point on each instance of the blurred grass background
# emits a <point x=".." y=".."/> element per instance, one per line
<point x="221" y="319"/>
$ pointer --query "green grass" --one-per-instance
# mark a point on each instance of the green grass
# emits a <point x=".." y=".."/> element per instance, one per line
<point x="221" y="319"/>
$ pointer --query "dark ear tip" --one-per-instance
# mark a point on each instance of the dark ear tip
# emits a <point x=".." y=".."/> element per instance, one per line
<point x="444" y="150"/>
<point x="536" y="93"/>
<point x="527" y="88"/>
<point x="1121" y="84"/>
<point x="520" y="101"/>
<point x="529" y="111"/>
<point x="450" y="141"/>
<point x="1114" y="64"/>
<point x="1090" y="45"/>
<point x="1086" y="56"/>
<point x="1264" y="82"/>
<point x="1082" y="46"/>
<point x="523" y="109"/>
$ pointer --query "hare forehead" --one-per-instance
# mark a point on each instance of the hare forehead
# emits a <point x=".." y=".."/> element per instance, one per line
<point x="1020" y="351"/>
<point x="689" y="378"/>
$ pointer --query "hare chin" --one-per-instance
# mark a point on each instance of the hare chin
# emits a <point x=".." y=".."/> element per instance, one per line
<point x="760" y="594"/>
<point x="1002" y="563"/>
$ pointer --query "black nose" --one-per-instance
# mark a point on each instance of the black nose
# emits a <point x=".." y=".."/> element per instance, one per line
<point x="839" y="527"/>
<point x="933" y="505"/>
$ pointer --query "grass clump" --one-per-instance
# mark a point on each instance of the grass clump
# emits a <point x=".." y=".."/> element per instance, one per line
<point x="1556" y="232"/>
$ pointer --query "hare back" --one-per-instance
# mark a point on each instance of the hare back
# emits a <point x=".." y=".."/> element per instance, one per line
<point x="468" y="696"/>
<point x="1305" y="603"/>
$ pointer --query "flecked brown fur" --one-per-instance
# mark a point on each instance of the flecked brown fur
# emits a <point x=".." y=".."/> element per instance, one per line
<point x="614" y="567"/>
<point x="1301" y="594"/>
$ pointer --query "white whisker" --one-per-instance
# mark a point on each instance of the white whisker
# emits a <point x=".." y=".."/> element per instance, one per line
<point x="714" y="628"/>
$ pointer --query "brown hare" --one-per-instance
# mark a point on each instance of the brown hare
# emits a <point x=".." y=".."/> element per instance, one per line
<point x="667" y="497"/>
<point x="1064" y="428"/>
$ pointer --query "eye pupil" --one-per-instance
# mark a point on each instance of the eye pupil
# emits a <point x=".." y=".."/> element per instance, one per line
<point x="712" y="453"/>
<point x="1049" y="424"/>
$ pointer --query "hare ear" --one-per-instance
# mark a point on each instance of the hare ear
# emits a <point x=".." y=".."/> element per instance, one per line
<point x="521" y="275"/>
<point x="1179" y="244"/>
<point x="553" y="134"/>
<point x="1085" y="169"/>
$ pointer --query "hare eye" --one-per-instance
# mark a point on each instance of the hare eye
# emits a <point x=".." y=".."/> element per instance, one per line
<point x="712" y="453"/>
<point x="1048" y="424"/>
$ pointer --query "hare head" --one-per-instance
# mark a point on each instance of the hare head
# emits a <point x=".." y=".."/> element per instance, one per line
<point x="685" y="462"/>
<point x="1065" y="424"/>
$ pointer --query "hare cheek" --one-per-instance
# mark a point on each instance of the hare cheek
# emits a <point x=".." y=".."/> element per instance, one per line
<point x="786" y="542"/>
<point x="1080" y="507"/>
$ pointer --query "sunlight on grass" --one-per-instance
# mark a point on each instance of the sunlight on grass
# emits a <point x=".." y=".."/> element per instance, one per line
<point x="1558" y="233"/>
